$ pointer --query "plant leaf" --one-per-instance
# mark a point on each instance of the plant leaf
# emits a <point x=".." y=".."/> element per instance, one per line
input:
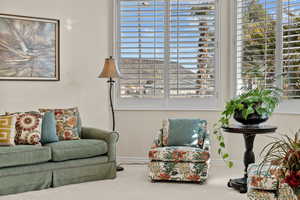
<point x="230" y="164"/>
<point x="222" y="144"/>
<point x="226" y="155"/>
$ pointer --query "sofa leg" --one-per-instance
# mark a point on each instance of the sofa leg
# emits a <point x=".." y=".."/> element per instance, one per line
<point x="120" y="168"/>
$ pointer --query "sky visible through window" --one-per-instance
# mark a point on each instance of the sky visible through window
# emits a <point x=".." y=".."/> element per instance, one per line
<point x="149" y="18"/>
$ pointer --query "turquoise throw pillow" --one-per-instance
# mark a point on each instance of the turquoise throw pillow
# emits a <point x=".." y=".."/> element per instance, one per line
<point x="49" y="128"/>
<point x="185" y="132"/>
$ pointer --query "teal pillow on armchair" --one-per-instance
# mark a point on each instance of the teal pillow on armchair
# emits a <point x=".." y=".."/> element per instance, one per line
<point x="185" y="132"/>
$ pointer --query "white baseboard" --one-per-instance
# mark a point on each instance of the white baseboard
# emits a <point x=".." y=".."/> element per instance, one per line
<point x="131" y="159"/>
<point x="142" y="160"/>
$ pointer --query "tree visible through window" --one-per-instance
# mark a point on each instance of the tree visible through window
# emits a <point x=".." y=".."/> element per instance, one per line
<point x="268" y="45"/>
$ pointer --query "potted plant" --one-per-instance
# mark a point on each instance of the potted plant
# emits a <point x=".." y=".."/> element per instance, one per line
<point x="285" y="152"/>
<point x="250" y="108"/>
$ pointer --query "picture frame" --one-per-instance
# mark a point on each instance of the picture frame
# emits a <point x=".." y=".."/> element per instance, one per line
<point x="29" y="48"/>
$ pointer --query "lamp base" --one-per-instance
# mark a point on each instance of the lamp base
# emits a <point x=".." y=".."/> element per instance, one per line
<point x="119" y="168"/>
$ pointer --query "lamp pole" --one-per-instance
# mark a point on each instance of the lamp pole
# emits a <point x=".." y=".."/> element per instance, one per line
<point x="111" y="84"/>
<point x="110" y="70"/>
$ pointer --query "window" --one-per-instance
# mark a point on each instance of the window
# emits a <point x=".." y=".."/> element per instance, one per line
<point x="167" y="52"/>
<point x="268" y="45"/>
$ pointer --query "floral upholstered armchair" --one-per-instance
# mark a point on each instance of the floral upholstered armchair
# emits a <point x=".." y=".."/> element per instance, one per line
<point x="265" y="183"/>
<point x="180" y="163"/>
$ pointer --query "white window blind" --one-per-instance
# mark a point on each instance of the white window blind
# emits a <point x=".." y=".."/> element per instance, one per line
<point x="192" y="49"/>
<point x="166" y="49"/>
<point x="291" y="48"/>
<point x="142" y="48"/>
<point x="256" y="43"/>
<point x="268" y="45"/>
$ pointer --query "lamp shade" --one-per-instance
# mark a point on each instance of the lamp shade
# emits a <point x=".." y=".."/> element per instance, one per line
<point x="110" y="69"/>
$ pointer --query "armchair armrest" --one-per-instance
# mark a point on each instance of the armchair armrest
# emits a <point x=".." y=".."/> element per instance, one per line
<point x="158" y="140"/>
<point x="109" y="137"/>
<point x="265" y="177"/>
<point x="206" y="143"/>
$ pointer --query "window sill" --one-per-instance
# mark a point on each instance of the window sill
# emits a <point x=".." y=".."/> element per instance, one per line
<point x="192" y="104"/>
<point x="285" y="108"/>
<point x="276" y="112"/>
<point x="121" y="108"/>
<point x="289" y="107"/>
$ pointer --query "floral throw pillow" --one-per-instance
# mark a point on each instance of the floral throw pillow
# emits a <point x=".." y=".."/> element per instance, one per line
<point x="28" y="127"/>
<point x="66" y="123"/>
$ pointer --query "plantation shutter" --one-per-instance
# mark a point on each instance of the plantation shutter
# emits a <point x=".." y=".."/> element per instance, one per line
<point x="166" y="48"/>
<point x="141" y="48"/>
<point x="192" y="48"/>
<point x="291" y="48"/>
<point x="256" y="22"/>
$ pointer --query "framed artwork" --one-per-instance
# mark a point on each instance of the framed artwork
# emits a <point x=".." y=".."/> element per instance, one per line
<point x="29" y="48"/>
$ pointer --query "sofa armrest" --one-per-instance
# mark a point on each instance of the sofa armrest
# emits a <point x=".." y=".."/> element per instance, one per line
<point x="110" y="137"/>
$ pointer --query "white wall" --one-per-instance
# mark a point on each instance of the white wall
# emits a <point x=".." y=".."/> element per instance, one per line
<point x="83" y="50"/>
<point x="138" y="128"/>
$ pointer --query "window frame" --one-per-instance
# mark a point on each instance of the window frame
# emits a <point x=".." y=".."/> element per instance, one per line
<point x="287" y="106"/>
<point x="167" y="103"/>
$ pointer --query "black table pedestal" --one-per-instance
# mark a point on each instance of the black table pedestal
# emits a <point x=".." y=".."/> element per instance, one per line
<point x="240" y="184"/>
<point x="249" y="133"/>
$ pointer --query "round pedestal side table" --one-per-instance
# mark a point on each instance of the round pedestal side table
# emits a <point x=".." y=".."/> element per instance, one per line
<point x="249" y="133"/>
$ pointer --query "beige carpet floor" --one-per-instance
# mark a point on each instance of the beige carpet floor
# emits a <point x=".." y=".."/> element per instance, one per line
<point x="133" y="184"/>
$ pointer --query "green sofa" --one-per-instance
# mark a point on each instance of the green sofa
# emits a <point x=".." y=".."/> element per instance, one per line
<point x="26" y="167"/>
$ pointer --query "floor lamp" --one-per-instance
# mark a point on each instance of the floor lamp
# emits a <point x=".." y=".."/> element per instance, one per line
<point x="111" y="71"/>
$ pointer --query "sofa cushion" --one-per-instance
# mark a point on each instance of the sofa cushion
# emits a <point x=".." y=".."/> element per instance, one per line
<point x="23" y="155"/>
<point x="177" y="154"/>
<point x="76" y="149"/>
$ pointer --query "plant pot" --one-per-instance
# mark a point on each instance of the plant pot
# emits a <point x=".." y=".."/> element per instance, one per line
<point x="253" y="119"/>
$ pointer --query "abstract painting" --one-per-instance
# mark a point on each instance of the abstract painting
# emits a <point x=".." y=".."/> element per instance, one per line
<point x="29" y="48"/>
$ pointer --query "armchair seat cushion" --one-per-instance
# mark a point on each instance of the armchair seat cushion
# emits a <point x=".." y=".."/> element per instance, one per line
<point x="266" y="178"/>
<point x="179" y="171"/>
<point x="179" y="154"/>
<point x="77" y="149"/>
